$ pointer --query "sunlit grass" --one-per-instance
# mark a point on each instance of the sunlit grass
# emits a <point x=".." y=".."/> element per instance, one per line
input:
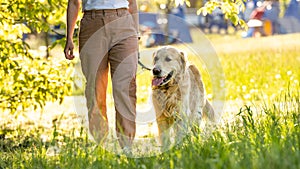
<point x="266" y="136"/>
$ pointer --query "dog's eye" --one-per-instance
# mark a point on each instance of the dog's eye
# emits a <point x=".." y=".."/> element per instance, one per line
<point x="167" y="59"/>
<point x="155" y="59"/>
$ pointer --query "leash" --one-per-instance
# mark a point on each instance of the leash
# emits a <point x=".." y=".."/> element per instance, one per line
<point x="141" y="64"/>
<point x="139" y="61"/>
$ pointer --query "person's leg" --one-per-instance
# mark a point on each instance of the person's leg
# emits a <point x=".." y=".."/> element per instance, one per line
<point x="98" y="122"/>
<point x="101" y="86"/>
<point x="123" y="59"/>
<point x="93" y="55"/>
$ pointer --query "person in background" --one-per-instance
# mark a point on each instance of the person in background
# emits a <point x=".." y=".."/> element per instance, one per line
<point x="256" y="21"/>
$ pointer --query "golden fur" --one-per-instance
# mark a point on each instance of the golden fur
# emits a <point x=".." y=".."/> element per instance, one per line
<point x="177" y="92"/>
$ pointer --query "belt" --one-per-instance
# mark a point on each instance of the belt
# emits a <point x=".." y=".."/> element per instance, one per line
<point x="104" y="11"/>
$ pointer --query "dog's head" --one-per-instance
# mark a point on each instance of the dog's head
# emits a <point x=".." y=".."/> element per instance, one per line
<point x="168" y="64"/>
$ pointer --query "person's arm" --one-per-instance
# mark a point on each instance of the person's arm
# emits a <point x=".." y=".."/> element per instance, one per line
<point x="72" y="14"/>
<point x="133" y="9"/>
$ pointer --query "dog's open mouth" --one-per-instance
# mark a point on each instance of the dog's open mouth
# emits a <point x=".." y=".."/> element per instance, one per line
<point x="160" y="81"/>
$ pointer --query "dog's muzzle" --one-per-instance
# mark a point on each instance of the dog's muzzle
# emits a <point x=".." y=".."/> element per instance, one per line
<point x="160" y="81"/>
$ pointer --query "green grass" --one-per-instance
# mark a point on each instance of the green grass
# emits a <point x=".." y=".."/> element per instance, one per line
<point x="269" y="138"/>
<point x="265" y="132"/>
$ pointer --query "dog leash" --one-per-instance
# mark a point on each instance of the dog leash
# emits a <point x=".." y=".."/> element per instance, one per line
<point x="139" y="61"/>
<point x="141" y="64"/>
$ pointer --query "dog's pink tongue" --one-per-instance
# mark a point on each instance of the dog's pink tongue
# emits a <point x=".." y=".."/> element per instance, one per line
<point x="157" y="81"/>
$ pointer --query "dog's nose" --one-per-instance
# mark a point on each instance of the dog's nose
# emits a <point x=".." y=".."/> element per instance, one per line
<point x="156" y="71"/>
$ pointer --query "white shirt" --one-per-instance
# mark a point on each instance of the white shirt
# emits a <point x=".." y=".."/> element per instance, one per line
<point x="103" y="4"/>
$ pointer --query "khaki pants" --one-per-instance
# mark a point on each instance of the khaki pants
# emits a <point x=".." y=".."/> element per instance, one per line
<point x="108" y="38"/>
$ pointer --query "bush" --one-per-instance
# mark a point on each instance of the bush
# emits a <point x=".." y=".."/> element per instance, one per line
<point x="27" y="80"/>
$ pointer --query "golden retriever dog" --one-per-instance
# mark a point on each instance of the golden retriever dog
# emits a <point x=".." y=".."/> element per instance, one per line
<point x="178" y="93"/>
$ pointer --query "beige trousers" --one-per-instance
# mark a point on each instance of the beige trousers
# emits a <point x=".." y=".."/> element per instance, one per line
<point x="108" y="39"/>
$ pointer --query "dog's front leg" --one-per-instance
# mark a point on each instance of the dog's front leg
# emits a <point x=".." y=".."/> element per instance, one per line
<point x="181" y="125"/>
<point x="180" y="130"/>
<point x="164" y="123"/>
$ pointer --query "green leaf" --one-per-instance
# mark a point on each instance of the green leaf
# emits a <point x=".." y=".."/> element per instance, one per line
<point x="234" y="19"/>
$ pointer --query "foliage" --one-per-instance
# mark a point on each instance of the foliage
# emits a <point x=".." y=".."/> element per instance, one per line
<point x="36" y="15"/>
<point x="28" y="80"/>
<point x="230" y="8"/>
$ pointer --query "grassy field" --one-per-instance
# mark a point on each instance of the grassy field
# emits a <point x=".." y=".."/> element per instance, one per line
<point x="262" y="76"/>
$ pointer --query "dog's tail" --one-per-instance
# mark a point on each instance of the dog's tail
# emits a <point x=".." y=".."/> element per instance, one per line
<point x="209" y="112"/>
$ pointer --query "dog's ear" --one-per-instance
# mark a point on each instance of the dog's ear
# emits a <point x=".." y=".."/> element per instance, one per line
<point x="153" y="55"/>
<point x="183" y="57"/>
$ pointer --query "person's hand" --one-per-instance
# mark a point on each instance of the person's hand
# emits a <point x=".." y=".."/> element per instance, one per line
<point x="69" y="50"/>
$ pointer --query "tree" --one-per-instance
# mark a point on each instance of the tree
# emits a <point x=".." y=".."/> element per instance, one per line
<point x="28" y="80"/>
<point x="230" y="8"/>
